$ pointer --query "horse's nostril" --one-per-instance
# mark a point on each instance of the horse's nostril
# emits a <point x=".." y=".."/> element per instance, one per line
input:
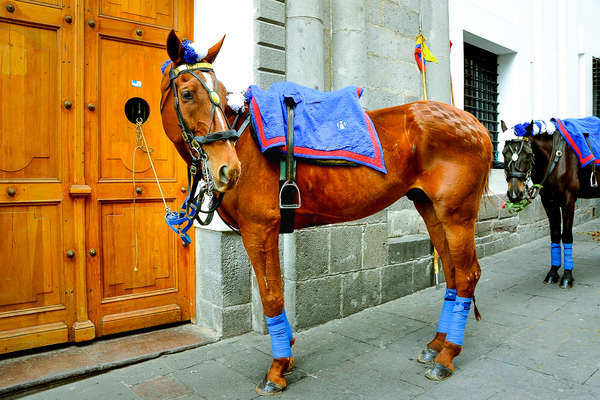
<point x="223" y="174"/>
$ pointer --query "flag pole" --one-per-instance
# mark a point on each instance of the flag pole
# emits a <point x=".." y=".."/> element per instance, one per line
<point x="436" y="266"/>
<point x="423" y="76"/>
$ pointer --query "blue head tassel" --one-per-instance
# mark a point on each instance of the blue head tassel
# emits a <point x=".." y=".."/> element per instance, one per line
<point x="189" y="54"/>
<point x="164" y="66"/>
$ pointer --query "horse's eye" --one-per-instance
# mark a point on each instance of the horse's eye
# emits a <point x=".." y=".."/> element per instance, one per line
<point x="187" y="95"/>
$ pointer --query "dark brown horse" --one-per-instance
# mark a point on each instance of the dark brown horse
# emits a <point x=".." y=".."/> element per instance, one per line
<point x="548" y="160"/>
<point x="436" y="154"/>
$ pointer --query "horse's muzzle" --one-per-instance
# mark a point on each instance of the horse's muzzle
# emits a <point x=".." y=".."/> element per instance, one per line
<point x="514" y="195"/>
<point x="516" y="189"/>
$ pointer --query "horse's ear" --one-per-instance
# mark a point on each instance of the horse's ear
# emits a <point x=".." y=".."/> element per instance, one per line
<point x="174" y="48"/>
<point x="529" y="129"/>
<point x="503" y="125"/>
<point x="213" y="51"/>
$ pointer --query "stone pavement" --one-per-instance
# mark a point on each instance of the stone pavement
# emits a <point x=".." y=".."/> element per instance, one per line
<point x="534" y="342"/>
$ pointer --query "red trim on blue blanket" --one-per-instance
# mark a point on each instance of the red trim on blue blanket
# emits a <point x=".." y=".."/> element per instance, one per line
<point x="567" y="136"/>
<point x="377" y="161"/>
<point x="261" y="130"/>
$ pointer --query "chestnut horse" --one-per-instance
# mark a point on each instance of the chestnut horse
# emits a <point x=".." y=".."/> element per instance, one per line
<point x="551" y="162"/>
<point x="436" y="154"/>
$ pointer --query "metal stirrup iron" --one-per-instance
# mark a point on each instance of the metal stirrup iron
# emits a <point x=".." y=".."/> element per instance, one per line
<point x="289" y="192"/>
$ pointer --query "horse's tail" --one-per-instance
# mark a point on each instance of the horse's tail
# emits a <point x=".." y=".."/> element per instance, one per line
<point x="486" y="180"/>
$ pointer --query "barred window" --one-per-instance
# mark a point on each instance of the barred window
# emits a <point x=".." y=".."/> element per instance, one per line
<point x="596" y="86"/>
<point x="481" y="90"/>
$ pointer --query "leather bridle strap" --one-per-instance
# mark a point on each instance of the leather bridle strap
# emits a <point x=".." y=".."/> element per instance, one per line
<point x="195" y="142"/>
<point x="558" y="147"/>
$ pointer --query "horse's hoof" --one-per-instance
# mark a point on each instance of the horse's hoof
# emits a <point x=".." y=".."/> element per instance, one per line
<point x="438" y="372"/>
<point x="566" y="282"/>
<point x="552" y="276"/>
<point x="268" y="388"/>
<point x="427" y="356"/>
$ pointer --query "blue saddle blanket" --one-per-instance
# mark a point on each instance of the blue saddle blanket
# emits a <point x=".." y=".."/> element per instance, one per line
<point x="573" y="130"/>
<point x="326" y="125"/>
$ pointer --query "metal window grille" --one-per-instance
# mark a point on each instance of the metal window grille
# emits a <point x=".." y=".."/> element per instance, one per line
<point x="596" y="86"/>
<point x="481" y="90"/>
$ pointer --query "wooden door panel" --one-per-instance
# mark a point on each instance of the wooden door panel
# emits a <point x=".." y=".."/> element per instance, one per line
<point x="30" y="109"/>
<point x="120" y="75"/>
<point x="155" y="267"/>
<point x="36" y="212"/>
<point x="124" y="52"/>
<point x="48" y="13"/>
<point x="155" y="12"/>
<point x="32" y="261"/>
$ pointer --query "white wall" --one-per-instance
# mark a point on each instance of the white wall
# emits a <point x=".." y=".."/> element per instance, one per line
<point x="234" y="64"/>
<point x="545" y="50"/>
<point x="234" y="18"/>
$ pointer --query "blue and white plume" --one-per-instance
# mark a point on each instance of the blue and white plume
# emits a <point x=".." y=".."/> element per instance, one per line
<point x="193" y="52"/>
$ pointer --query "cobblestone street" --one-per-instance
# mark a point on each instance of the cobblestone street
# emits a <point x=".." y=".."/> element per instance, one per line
<point x="534" y="342"/>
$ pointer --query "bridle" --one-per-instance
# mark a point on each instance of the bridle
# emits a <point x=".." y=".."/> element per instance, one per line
<point x="198" y="169"/>
<point x="512" y="170"/>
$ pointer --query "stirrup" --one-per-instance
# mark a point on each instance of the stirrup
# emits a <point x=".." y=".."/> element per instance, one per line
<point x="288" y="189"/>
<point x="593" y="180"/>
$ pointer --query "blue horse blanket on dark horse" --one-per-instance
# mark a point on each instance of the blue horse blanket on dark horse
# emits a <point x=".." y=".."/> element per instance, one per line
<point x="573" y="130"/>
<point x="326" y="125"/>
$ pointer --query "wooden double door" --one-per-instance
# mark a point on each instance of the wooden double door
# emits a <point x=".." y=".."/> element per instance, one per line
<point x="83" y="251"/>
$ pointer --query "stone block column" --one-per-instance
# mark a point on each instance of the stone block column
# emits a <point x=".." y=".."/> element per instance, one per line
<point x="349" y="43"/>
<point x="222" y="282"/>
<point x="304" y="28"/>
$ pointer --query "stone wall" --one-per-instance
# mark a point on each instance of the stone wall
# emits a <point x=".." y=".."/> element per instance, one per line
<point x="340" y="269"/>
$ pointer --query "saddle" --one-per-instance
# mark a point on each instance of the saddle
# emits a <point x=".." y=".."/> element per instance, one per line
<point x="300" y="124"/>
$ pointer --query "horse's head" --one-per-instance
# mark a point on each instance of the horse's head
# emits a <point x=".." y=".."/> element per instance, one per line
<point x="193" y="116"/>
<point x="518" y="163"/>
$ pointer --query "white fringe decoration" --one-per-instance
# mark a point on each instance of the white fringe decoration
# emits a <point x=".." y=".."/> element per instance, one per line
<point x="236" y="101"/>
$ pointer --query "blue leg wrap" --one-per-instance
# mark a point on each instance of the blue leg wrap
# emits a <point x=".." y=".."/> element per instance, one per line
<point x="458" y="323"/>
<point x="280" y="333"/>
<point x="555" y="254"/>
<point x="287" y="326"/>
<point x="568" y="252"/>
<point x="446" y="314"/>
